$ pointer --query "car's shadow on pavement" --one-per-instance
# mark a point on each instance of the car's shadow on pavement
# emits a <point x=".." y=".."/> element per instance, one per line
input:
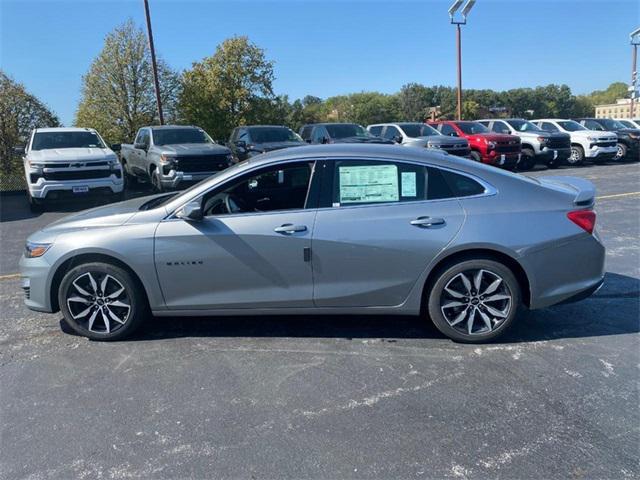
<point x="614" y="310"/>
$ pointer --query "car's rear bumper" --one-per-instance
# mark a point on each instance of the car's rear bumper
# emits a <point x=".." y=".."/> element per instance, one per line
<point x="564" y="270"/>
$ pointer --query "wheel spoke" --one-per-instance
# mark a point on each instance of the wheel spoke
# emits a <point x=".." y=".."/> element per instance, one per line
<point x="470" y="321"/>
<point x="80" y="289"/>
<point x="115" y="294"/>
<point x="103" y="284"/>
<point x="477" y="280"/>
<point x="493" y="287"/>
<point x="487" y="320"/>
<point x="82" y="313"/>
<point x="466" y="282"/>
<point x="460" y="317"/>
<point x="79" y="300"/>
<point x="107" y="324"/>
<point x="114" y="317"/>
<point x="495" y="312"/>
<point x="495" y="298"/>
<point x="94" y="285"/>
<point x="453" y="293"/>
<point x="92" y="319"/>
<point x="118" y="303"/>
<point x="450" y="304"/>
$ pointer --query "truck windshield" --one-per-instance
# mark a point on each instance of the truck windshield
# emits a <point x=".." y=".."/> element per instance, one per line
<point x="523" y="126"/>
<point x="173" y="136"/>
<point x="610" y="124"/>
<point x="273" y="134"/>
<point x="571" y="126"/>
<point x="471" y="128"/>
<point x="418" y="130"/>
<point x="53" y="140"/>
<point x="346" y="130"/>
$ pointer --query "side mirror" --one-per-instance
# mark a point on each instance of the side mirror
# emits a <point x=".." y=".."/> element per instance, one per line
<point x="192" y="211"/>
<point x="453" y="134"/>
<point x="397" y="139"/>
<point x="20" y="150"/>
<point x="241" y="144"/>
<point x="325" y="140"/>
<point x="116" y="147"/>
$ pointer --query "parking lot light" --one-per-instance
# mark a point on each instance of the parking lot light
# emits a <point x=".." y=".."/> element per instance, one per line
<point x="465" y="12"/>
<point x="634" y="37"/>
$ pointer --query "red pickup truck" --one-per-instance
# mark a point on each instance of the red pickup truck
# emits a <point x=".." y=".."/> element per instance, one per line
<point x="487" y="147"/>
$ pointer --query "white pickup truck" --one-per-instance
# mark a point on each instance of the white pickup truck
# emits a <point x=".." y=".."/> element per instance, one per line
<point x="69" y="163"/>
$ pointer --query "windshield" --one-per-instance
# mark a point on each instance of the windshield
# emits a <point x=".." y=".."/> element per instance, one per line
<point x="570" y="125"/>
<point x="51" y="140"/>
<point x="418" y="130"/>
<point x="627" y="123"/>
<point x="471" y="128"/>
<point x="172" y="136"/>
<point x="273" y="134"/>
<point x="610" y="124"/>
<point x="346" y="130"/>
<point x="523" y="126"/>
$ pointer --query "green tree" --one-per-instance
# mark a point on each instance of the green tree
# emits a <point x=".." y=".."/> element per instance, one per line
<point x="20" y="112"/>
<point x="415" y="100"/>
<point x="229" y="88"/>
<point x="118" y="95"/>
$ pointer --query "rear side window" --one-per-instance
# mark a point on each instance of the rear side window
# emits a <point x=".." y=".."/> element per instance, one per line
<point x="461" y="185"/>
<point x="375" y="130"/>
<point x="448" y="130"/>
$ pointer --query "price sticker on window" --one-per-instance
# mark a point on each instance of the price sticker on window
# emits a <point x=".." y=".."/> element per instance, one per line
<point x="369" y="184"/>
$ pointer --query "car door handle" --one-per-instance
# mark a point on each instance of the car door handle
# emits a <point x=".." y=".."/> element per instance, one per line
<point x="427" y="222"/>
<point x="290" y="228"/>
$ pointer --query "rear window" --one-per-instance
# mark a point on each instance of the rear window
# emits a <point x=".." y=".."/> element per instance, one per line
<point x="52" y="140"/>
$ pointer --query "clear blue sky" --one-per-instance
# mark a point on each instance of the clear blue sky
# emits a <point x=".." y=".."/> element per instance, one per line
<point x="329" y="47"/>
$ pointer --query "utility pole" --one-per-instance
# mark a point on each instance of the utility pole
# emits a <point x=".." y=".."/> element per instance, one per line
<point x="154" y="65"/>
<point x="465" y="11"/>
<point x="635" y="41"/>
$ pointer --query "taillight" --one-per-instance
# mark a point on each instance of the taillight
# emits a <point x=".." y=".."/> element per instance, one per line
<point x="585" y="219"/>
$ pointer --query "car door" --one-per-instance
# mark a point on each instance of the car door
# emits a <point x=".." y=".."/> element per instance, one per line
<point x="381" y="224"/>
<point x="254" y="256"/>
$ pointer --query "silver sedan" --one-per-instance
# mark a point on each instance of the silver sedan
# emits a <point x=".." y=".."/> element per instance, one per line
<point x="331" y="229"/>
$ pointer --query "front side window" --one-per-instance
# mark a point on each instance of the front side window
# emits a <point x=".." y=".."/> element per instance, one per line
<point x="500" y="127"/>
<point x="523" y="126"/>
<point x="174" y="136"/>
<point x="448" y="130"/>
<point x="548" y="127"/>
<point x="319" y="135"/>
<point x="571" y="126"/>
<point x="472" y="128"/>
<point x="281" y="187"/>
<point x="53" y="140"/>
<point x="273" y="134"/>
<point x="392" y="132"/>
<point x="377" y="130"/>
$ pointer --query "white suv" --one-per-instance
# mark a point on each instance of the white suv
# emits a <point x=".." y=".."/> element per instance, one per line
<point x="69" y="162"/>
<point x="585" y="144"/>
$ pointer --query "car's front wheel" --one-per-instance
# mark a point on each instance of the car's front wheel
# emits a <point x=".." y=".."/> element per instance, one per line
<point x="577" y="155"/>
<point x="102" y="301"/>
<point x="474" y="301"/>
<point x="621" y="152"/>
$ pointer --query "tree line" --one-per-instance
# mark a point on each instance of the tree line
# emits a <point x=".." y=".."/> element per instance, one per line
<point x="234" y="86"/>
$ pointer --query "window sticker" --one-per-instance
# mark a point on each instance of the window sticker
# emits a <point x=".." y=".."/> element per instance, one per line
<point x="408" y="182"/>
<point x="370" y="183"/>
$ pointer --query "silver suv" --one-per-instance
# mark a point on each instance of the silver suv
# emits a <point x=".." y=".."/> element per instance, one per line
<point x="415" y="134"/>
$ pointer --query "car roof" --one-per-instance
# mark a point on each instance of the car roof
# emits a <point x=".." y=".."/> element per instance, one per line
<point x="171" y="127"/>
<point x="264" y="126"/>
<point x="330" y="123"/>
<point x="64" y="129"/>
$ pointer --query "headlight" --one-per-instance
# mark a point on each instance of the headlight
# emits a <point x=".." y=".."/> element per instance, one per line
<point x="634" y="135"/>
<point x="35" y="165"/>
<point x="34" y="250"/>
<point x="164" y="158"/>
<point x="592" y="139"/>
<point x="432" y="145"/>
<point x="491" y="144"/>
<point x="543" y="139"/>
<point x="229" y="158"/>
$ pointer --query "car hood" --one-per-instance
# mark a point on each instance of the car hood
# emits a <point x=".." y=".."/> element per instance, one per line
<point x="595" y="134"/>
<point x="627" y="131"/>
<point x="111" y="215"/>
<point x="194" y="149"/>
<point x="445" y="140"/>
<point x="71" y="154"/>
<point x="494" y="137"/>
<point x="362" y="140"/>
<point x="270" y="146"/>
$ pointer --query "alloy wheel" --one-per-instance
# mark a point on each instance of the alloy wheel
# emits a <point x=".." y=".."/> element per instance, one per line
<point x="98" y="302"/>
<point x="575" y="156"/>
<point x="476" y="301"/>
<point x="619" y="153"/>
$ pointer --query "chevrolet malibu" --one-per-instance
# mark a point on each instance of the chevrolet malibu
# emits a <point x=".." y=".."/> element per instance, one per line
<point x="331" y="229"/>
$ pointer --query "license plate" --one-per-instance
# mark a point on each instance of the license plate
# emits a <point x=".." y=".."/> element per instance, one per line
<point x="83" y="189"/>
<point x="502" y="159"/>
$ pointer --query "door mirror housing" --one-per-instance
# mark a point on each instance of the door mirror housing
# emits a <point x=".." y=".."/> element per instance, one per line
<point x="192" y="211"/>
<point x="397" y="139"/>
<point x="19" y="150"/>
<point x="453" y="134"/>
<point x="140" y="146"/>
<point x="116" y="147"/>
<point x="241" y="144"/>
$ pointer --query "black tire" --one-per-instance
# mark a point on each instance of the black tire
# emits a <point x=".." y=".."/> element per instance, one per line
<point x="527" y="160"/>
<point x="475" y="156"/>
<point x="100" y="303"/>
<point x="438" y="300"/>
<point x="35" y="205"/>
<point x="576" y="157"/>
<point x="621" y="153"/>
<point x="156" y="184"/>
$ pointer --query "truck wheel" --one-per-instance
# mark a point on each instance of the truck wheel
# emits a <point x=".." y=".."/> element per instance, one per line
<point x="102" y="301"/>
<point x="155" y="181"/>
<point x="527" y="160"/>
<point x="475" y="156"/>
<point x="621" y="153"/>
<point x="577" y="156"/>
<point x="35" y="204"/>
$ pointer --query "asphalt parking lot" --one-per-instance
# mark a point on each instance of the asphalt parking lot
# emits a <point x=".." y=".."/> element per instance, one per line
<point x="326" y="397"/>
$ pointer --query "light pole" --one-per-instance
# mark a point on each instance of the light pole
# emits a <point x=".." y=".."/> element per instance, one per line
<point x="635" y="41"/>
<point x="465" y="11"/>
<point x="154" y="65"/>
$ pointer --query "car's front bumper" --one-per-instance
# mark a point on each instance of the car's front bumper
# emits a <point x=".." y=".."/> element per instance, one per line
<point x="502" y="159"/>
<point x="43" y="189"/>
<point x="34" y="273"/>
<point x="174" y="178"/>
<point x="556" y="155"/>
<point x="601" y="153"/>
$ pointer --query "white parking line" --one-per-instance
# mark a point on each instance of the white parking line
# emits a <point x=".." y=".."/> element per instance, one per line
<point x="9" y="276"/>
<point x="618" y="195"/>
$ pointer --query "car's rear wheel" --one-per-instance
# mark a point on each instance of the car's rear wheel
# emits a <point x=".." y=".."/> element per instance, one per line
<point x="102" y="301"/>
<point x="577" y="155"/>
<point x="474" y="301"/>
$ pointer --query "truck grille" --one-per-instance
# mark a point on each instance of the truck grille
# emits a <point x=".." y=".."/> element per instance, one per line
<point x="77" y="174"/>
<point x="606" y="144"/>
<point x="202" y="163"/>
<point x="559" y="142"/>
<point x="511" y="146"/>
